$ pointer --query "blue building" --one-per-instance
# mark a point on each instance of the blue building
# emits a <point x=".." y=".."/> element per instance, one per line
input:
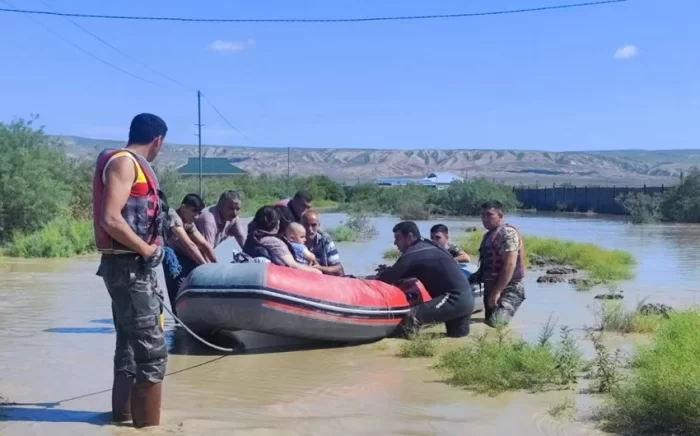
<point x="437" y="179"/>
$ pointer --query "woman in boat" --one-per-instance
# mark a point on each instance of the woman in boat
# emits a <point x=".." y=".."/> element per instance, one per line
<point x="265" y="242"/>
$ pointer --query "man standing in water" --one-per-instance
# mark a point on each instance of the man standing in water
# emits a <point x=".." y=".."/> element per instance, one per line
<point x="501" y="266"/>
<point x="126" y="209"/>
<point x="290" y="210"/>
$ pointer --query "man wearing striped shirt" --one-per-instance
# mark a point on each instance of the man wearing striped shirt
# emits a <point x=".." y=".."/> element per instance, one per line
<point x="321" y="245"/>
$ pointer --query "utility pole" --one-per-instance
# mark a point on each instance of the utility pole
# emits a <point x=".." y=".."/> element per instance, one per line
<point x="289" y="179"/>
<point x="199" y="137"/>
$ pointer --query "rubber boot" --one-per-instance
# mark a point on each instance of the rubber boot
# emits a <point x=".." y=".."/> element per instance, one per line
<point x="145" y="404"/>
<point x="121" y="398"/>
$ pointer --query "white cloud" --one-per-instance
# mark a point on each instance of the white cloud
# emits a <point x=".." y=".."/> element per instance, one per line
<point x="626" y="52"/>
<point x="230" y="47"/>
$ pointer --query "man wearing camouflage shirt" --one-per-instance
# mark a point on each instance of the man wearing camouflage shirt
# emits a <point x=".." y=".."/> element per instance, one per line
<point x="501" y="266"/>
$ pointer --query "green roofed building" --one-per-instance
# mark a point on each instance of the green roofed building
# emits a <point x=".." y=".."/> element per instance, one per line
<point x="211" y="166"/>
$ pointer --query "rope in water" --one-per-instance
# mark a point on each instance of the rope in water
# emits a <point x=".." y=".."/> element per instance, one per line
<point x="183" y="325"/>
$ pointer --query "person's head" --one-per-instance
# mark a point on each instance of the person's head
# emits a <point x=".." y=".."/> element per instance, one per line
<point x="312" y="222"/>
<point x="405" y="234"/>
<point x="295" y="232"/>
<point x="440" y="234"/>
<point x="147" y="132"/>
<point x="491" y="214"/>
<point x="301" y="202"/>
<point x="229" y="205"/>
<point x="190" y="208"/>
<point x="267" y="219"/>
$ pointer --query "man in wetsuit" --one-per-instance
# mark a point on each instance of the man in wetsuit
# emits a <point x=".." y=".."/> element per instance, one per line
<point x="126" y="210"/>
<point x="501" y="266"/>
<point x="452" y="301"/>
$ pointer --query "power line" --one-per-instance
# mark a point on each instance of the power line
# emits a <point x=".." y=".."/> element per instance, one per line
<point x="312" y="20"/>
<point x="58" y="35"/>
<point x="226" y="119"/>
<point x="121" y="51"/>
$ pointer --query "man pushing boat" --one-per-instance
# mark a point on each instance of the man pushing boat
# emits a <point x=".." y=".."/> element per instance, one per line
<point x="452" y="301"/>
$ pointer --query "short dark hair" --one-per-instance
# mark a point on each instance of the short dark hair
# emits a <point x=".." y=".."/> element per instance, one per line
<point x="145" y="128"/>
<point x="194" y="201"/>
<point x="266" y="218"/>
<point x="230" y="196"/>
<point x="304" y="195"/>
<point x="492" y="204"/>
<point x="439" y="228"/>
<point x="406" y="227"/>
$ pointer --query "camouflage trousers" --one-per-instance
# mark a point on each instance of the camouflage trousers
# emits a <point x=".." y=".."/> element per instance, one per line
<point x="140" y="351"/>
<point x="508" y="304"/>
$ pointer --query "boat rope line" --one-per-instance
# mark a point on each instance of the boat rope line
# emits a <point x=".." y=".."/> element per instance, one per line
<point x="315" y="20"/>
<point x="188" y="330"/>
<point x="53" y="404"/>
<point x="212" y="293"/>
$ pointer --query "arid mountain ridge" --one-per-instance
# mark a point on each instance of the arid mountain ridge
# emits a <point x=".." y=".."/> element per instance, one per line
<point x="621" y="167"/>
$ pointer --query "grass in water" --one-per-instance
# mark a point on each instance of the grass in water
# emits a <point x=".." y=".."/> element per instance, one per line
<point x="613" y="317"/>
<point x="420" y="345"/>
<point x="392" y="253"/>
<point x="601" y="264"/>
<point x="59" y="238"/>
<point x="565" y="409"/>
<point x="493" y="366"/>
<point x="662" y="396"/>
<point x="343" y="233"/>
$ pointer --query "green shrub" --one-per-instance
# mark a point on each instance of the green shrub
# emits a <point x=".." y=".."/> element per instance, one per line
<point x="494" y="366"/>
<point x="662" y="395"/>
<point x="59" y="238"/>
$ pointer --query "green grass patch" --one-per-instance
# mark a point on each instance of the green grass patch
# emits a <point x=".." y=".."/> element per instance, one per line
<point x="602" y="265"/>
<point x="59" y="238"/>
<point x="392" y="253"/>
<point x="613" y="317"/>
<point x="343" y="233"/>
<point x="493" y="366"/>
<point x="421" y="345"/>
<point x="662" y="394"/>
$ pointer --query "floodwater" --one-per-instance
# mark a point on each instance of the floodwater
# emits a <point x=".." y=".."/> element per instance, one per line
<point x="56" y="343"/>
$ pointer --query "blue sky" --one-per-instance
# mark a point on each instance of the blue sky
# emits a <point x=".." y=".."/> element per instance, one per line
<point x="544" y="80"/>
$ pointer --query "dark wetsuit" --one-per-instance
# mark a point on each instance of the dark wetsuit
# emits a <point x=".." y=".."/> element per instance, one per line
<point x="452" y="301"/>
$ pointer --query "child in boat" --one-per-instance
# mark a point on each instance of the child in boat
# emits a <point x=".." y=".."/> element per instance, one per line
<point x="296" y="235"/>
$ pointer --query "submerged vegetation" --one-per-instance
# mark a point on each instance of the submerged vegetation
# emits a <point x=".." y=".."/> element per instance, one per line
<point x="492" y="366"/>
<point x="613" y="317"/>
<point x="357" y="227"/>
<point x="602" y="265"/>
<point x="662" y="393"/>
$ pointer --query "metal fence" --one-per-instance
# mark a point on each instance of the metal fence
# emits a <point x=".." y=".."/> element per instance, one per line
<point x="600" y="199"/>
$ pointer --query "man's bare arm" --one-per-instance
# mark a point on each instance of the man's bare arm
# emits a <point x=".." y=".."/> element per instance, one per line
<point x="119" y="178"/>
<point x="333" y="270"/>
<point x="204" y="246"/>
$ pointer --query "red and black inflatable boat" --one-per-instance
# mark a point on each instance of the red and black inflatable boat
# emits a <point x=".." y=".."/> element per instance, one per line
<point x="267" y="298"/>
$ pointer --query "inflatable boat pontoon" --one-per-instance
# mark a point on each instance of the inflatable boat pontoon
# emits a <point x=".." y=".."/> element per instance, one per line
<point x="270" y="299"/>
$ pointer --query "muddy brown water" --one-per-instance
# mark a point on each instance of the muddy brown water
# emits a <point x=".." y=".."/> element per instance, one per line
<point x="56" y="343"/>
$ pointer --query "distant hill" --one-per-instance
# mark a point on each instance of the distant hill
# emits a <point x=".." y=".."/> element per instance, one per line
<point x="620" y="167"/>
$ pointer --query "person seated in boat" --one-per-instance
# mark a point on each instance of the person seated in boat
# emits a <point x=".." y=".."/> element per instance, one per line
<point x="321" y="245"/>
<point x="222" y="221"/>
<point x="184" y="242"/>
<point x="452" y="301"/>
<point x="439" y="233"/>
<point x="290" y="210"/>
<point x="296" y="235"/>
<point x="265" y="241"/>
